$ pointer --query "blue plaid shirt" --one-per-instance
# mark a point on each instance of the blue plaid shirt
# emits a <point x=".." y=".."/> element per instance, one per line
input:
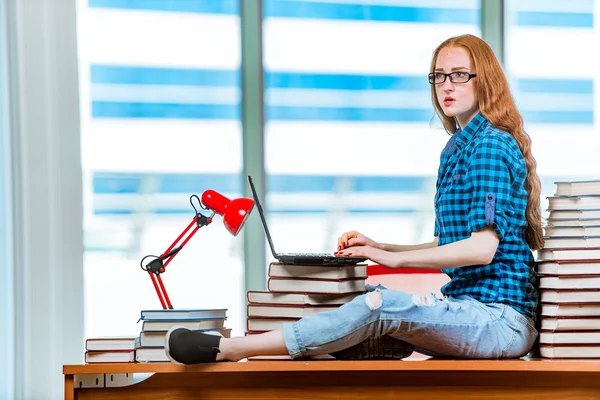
<point x="481" y="183"/>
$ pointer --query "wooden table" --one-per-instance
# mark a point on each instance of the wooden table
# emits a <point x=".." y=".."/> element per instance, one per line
<point x="430" y="379"/>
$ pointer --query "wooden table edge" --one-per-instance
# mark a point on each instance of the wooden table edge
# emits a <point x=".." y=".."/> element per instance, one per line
<point x="534" y="365"/>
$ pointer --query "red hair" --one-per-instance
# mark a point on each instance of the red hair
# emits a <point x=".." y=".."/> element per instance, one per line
<point x="497" y="106"/>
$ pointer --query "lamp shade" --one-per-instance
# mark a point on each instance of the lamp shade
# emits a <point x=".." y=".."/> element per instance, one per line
<point x="234" y="211"/>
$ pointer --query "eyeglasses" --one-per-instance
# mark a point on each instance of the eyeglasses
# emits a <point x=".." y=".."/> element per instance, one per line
<point x="435" y="78"/>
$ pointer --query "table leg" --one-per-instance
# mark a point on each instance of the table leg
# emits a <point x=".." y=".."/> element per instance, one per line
<point x="69" y="387"/>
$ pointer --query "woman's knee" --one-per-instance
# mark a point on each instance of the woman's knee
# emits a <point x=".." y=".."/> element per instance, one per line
<point x="385" y="301"/>
<point x="374" y="300"/>
<point x="388" y="300"/>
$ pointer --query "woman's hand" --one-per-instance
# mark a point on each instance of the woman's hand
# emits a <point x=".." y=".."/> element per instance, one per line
<point x="354" y="238"/>
<point x="382" y="257"/>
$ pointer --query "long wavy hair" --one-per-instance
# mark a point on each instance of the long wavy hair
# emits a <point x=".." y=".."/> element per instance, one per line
<point x="497" y="105"/>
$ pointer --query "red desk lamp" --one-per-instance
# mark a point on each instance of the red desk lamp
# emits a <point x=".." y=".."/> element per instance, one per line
<point x="234" y="212"/>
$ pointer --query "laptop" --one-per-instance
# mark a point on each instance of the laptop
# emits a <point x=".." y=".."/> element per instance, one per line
<point x="300" y="258"/>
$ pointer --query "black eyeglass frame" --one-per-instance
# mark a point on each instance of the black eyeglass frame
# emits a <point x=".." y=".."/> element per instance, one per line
<point x="432" y="81"/>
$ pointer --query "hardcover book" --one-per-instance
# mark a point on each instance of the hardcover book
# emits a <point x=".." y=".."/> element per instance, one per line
<point x="572" y="231"/>
<point x="196" y="325"/>
<point x="570" y="310"/>
<point x="120" y="356"/>
<point x="569" y="282"/>
<point x="266" y="324"/>
<point x="570" y="352"/>
<point x="287" y="298"/>
<point x="271" y="311"/>
<point x="574" y="214"/>
<point x="574" y="202"/>
<point x="183" y="314"/>
<point x="157" y="339"/>
<point x="570" y="324"/>
<point x="573" y="222"/>
<point x="317" y="271"/>
<point x="107" y="343"/>
<point x="569" y="254"/>
<point x="565" y="242"/>
<point x="570" y="296"/>
<point x="151" y="354"/>
<point x="568" y="268"/>
<point x="578" y="188"/>
<point x="315" y="285"/>
<point x="558" y="338"/>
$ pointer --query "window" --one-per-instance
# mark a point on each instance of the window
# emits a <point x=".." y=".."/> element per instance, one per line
<point x="160" y="105"/>
<point x="554" y="80"/>
<point x="351" y="142"/>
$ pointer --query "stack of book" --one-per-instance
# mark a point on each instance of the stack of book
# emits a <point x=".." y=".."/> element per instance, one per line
<point x="156" y="323"/>
<point x="569" y="273"/>
<point x="296" y="291"/>
<point x="111" y="349"/>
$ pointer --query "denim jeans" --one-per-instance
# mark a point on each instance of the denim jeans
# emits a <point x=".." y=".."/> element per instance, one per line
<point x="459" y="327"/>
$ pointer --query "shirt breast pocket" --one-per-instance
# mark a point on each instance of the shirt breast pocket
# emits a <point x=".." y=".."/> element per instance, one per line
<point x="454" y="185"/>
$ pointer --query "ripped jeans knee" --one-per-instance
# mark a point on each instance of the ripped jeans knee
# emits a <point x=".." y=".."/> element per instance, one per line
<point x="405" y="301"/>
<point x="374" y="300"/>
<point x="424" y="299"/>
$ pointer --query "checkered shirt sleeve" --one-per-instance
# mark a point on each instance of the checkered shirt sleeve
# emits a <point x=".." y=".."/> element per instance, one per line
<point x="488" y="179"/>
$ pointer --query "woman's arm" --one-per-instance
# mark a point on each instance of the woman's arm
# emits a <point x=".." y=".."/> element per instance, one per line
<point x="479" y="249"/>
<point x="355" y="238"/>
<point x="399" y="247"/>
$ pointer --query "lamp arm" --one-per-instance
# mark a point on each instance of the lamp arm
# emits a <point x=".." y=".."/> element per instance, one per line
<point x="234" y="214"/>
<point x="158" y="264"/>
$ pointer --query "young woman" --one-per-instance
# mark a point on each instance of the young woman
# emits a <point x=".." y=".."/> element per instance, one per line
<point x="488" y="220"/>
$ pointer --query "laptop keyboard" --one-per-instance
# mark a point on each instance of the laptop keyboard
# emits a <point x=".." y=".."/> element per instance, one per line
<point x="307" y="254"/>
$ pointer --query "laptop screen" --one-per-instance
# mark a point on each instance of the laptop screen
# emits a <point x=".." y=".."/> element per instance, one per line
<point x="262" y="216"/>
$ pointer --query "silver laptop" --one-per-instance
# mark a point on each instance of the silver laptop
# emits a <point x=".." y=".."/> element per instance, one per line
<point x="300" y="258"/>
